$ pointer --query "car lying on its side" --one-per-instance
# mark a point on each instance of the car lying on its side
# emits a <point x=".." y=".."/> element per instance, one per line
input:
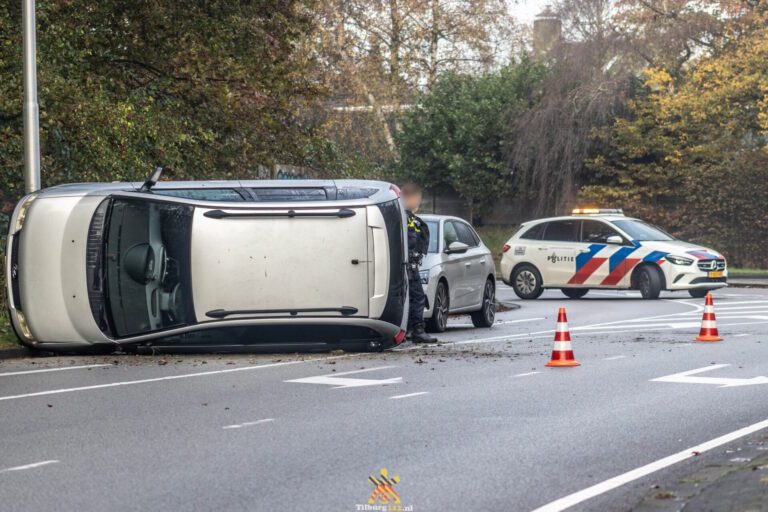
<point x="604" y="249"/>
<point x="458" y="274"/>
<point x="278" y="264"/>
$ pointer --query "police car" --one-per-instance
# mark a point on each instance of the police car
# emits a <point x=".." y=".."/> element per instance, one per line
<point x="601" y="248"/>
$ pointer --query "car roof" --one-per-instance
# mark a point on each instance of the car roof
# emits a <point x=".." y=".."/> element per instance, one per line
<point x="433" y="216"/>
<point x="605" y="216"/>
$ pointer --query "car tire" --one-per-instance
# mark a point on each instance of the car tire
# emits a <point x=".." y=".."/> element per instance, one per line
<point x="699" y="293"/>
<point x="440" y="309"/>
<point x="649" y="282"/>
<point x="575" y="293"/>
<point x="526" y="282"/>
<point x="486" y="316"/>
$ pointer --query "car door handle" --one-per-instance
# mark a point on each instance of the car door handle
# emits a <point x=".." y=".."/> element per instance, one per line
<point x="543" y="248"/>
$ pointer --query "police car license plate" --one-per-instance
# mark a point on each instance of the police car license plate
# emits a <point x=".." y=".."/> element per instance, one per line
<point x="715" y="273"/>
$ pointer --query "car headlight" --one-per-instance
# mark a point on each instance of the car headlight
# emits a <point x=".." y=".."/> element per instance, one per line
<point x="23" y="327"/>
<point x="679" y="260"/>
<point x="424" y="274"/>
<point x="22" y="214"/>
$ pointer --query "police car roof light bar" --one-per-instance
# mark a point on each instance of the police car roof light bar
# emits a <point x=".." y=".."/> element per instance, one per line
<point x="598" y="211"/>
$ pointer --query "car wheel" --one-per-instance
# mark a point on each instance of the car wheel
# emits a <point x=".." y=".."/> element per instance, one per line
<point x="649" y="282"/>
<point x="440" y="309"/>
<point x="487" y="313"/>
<point x="575" y="293"/>
<point x="526" y="281"/>
<point x="699" y="293"/>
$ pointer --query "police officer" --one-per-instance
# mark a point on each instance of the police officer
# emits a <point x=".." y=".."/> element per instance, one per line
<point x="418" y="244"/>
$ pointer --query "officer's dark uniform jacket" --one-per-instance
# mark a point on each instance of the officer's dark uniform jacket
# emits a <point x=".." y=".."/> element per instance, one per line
<point x="418" y="245"/>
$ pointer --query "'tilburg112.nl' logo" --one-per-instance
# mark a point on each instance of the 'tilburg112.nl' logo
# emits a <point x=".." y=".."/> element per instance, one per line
<point x="384" y="498"/>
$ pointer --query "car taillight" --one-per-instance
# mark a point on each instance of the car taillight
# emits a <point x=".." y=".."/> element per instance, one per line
<point x="399" y="337"/>
<point x="395" y="189"/>
<point x="505" y="248"/>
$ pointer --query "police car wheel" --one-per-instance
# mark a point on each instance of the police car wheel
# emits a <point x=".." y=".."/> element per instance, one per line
<point x="440" y="309"/>
<point x="526" y="281"/>
<point x="574" y="293"/>
<point x="649" y="282"/>
<point x="699" y="293"/>
<point x="487" y="314"/>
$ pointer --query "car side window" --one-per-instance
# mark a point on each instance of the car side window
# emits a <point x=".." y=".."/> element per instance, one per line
<point x="562" y="231"/>
<point x="466" y="234"/>
<point x="224" y="195"/>
<point x="449" y="233"/>
<point x="535" y="232"/>
<point x="596" y="232"/>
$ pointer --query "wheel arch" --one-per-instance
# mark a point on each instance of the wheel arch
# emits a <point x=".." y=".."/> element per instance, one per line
<point x="525" y="264"/>
<point x="645" y="264"/>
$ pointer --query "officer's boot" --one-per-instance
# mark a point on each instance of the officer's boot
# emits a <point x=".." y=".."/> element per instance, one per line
<point x="419" y="335"/>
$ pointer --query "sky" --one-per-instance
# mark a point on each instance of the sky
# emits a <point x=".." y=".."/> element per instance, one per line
<point x="526" y="10"/>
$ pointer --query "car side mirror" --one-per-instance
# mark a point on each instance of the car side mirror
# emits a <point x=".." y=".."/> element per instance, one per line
<point x="457" y="248"/>
<point x="615" y="240"/>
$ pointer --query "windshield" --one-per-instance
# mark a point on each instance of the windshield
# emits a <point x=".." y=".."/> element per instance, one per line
<point x="433" y="232"/>
<point x="642" y="231"/>
<point x="146" y="262"/>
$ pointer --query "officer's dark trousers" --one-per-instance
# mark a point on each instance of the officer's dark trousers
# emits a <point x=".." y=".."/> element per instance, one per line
<point x="417" y="302"/>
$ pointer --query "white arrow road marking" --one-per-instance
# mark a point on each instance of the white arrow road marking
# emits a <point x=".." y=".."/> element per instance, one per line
<point x="335" y="379"/>
<point x="687" y="378"/>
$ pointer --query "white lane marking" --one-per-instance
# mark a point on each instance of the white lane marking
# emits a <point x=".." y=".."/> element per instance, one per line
<point x="29" y="466"/>
<point x="741" y="335"/>
<point x="630" y="476"/>
<point x="46" y="370"/>
<point x="613" y="358"/>
<point x="525" y="374"/>
<point x="339" y="382"/>
<point x="397" y="397"/>
<point x="248" y="424"/>
<point x="169" y="377"/>
<point x="688" y="378"/>
<point x="501" y="322"/>
<point x="506" y="322"/>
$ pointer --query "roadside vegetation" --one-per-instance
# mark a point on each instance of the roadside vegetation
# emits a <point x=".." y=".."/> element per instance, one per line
<point x="655" y="107"/>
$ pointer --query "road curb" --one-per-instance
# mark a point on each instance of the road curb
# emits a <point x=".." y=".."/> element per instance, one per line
<point x="509" y="306"/>
<point x="748" y="284"/>
<point x="14" y="353"/>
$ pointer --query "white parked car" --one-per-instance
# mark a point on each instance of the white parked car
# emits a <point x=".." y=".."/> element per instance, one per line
<point x="458" y="274"/>
<point x="604" y="249"/>
<point x="276" y="264"/>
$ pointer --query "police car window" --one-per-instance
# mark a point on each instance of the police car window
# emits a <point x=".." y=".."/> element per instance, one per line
<point x="466" y="234"/>
<point x="434" y="232"/>
<point x="449" y="233"/>
<point x="227" y="195"/>
<point x="642" y="231"/>
<point x="562" y="231"/>
<point x="596" y="232"/>
<point x="535" y="232"/>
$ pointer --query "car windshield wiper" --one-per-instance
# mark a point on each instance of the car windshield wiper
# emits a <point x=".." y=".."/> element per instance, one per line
<point x="223" y="313"/>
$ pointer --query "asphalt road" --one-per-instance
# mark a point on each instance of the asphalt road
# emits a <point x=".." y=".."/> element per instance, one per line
<point x="475" y="423"/>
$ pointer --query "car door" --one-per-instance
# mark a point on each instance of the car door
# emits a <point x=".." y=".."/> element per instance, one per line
<point x="475" y="264"/>
<point x="611" y="263"/>
<point x="560" y="246"/>
<point x="454" y="268"/>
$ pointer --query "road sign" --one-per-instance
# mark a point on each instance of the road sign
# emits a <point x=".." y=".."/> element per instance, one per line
<point x="338" y="381"/>
<point x="690" y="377"/>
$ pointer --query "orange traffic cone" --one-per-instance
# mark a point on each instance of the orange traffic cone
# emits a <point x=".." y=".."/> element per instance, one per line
<point x="562" y="354"/>
<point x="708" y="324"/>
